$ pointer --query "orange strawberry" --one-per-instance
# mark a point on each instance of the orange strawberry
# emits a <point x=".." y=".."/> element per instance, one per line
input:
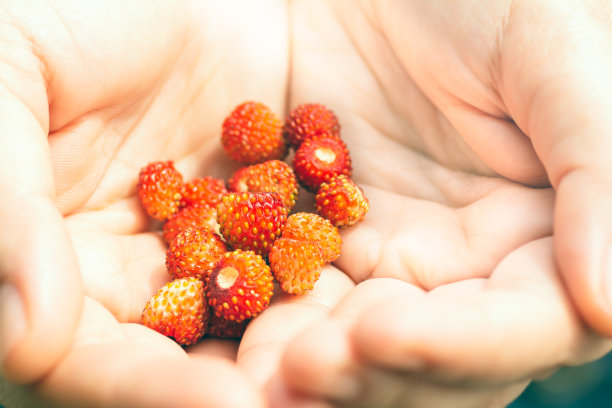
<point x="178" y="310"/>
<point x="240" y="286"/>
<point x="159" y="189"/>
<point x="320" y="158"/>
<point x="296" y="265"/>
<point x="252" y="133"/>
<point x="203" y="190"/>
<point x="194" y="252"/>
<point x="341" y="201"/>
<point x="307" y="120"/>
<point x="194" y="216"/>
<point x="272" y="176"/>
<point x="304" y="226"/>
<point x="251" y="221"/>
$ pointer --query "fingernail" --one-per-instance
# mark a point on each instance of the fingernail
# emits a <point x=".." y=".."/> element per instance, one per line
<point x="12" y="320"/>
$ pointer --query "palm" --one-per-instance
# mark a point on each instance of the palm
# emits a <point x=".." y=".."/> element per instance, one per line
<point x="439" y="213"/>
<point x="168" y="102"/>
<point x="154" y="87"/>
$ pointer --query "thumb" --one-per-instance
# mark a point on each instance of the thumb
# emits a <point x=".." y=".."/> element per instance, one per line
<point x="568" y="115"/>
<point x="40" y="286"/>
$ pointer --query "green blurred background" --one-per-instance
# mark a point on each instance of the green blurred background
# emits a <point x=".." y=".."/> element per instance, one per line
<point x="587" y="386"/>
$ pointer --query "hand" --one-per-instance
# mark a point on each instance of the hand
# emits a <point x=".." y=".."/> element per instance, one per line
<point x="89" y="94"/>
<point x="451" y="126"/>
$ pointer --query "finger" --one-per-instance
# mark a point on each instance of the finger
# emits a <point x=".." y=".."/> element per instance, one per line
<point x="321" y="364"/>
<point x="40" y="299"/>
<point x="128" y="365"/>
<point x="567" y="116"/>
<point x="458" y="331"/>
<point x="268" y="334"/>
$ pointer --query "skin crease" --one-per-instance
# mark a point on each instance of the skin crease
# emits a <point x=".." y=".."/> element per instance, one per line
<point x="419" y="90"/>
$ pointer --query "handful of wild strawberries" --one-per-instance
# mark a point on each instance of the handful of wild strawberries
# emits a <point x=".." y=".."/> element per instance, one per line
<point x="228" y="243"/>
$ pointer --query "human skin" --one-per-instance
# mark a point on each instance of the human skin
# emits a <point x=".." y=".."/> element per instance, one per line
<point x="474" y="128"/>
<point x="119" y="85"/>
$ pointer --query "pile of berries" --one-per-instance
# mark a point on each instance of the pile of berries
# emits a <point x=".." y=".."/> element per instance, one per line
<point x="229" y="242"/>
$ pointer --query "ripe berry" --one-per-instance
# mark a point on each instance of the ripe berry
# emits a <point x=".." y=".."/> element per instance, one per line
<point x="159" y="189"/>
<point x="240" y="286"/>
<point x="272" y="176"/>
<point x="252" y="133"/>
<point x="251" y="221"/>
<point x="308" y="120"/>
<point x="304" y="226"/>
<point x="341" y="201"/>
<point x="204" y="190"/>
<point x="296" y="265"/>
<point x="194" y="216"/>
<point x="226" y="329"/>
<point x="178" y="310"/>
<point x="319" y="159"/>
<point x="194" y="252"/>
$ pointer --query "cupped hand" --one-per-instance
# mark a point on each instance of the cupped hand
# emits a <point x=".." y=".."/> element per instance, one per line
<point x="458" y="121"/>
<point x="90" y="93"/>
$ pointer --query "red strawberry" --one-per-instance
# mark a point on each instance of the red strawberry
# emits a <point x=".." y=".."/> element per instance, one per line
<point x="159" y="189"/>
<point x="205" y="190"/>
<point x="195" y="216"/>
<point x="226" y="329"/>
<point x="251" y="221"/>
<point x="296" y="265"/>
<point x="178" y="310"/>
<point x="304" y="226"/>
<point x="319" y="159"/>
<point x="240" y="286"/>
<point x="194" y="252"/>
<point x="272" y="176"/>
<point x="341" y="201"/>
<point x="252" y="133"/>
<point x="307" y="120"/>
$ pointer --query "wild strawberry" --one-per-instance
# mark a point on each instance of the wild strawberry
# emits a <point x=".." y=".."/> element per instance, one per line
<point x="252" y="133"/>
<point x="178" y="310"/>
<point x="159" y="189"/>
<point x="341" y="201"/>
<point x="272" y="176"/>
<point x="319" y="159"/>
<point x="194" y="252"/>
<point x="240" y="286"/>
<point x="203" y="190"/>
<point x="251" y="221"/>
<point x="226" y="329"/>
<point x="194" y="216"/>
<point x="304" y="226"/>
<point x="296" y="265"/>
<point x="307" y="120"/>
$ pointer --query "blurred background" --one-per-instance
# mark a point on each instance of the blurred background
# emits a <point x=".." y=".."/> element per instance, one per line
<point x="587" y="386"/>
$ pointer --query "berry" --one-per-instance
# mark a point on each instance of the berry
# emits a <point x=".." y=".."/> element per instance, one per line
<point x="296" y="265"/>
<point x="272" y="176"/>
<point x="319" y="159"/>
<point x="251" y="221"/>
<point x="308" y="120"/>
<point x="341" y="201"/>
<point x="194" y="252"/>
<point x="195" y="216"/>
<point x="205" y="190"/>
<point x="252" y="133"/>
<point x="226" y="329"/>
<point x="240" y="286"/>
<point x="159" y="189"/>
<point x="178" y="310"/>
<point x="312" y="227"/>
